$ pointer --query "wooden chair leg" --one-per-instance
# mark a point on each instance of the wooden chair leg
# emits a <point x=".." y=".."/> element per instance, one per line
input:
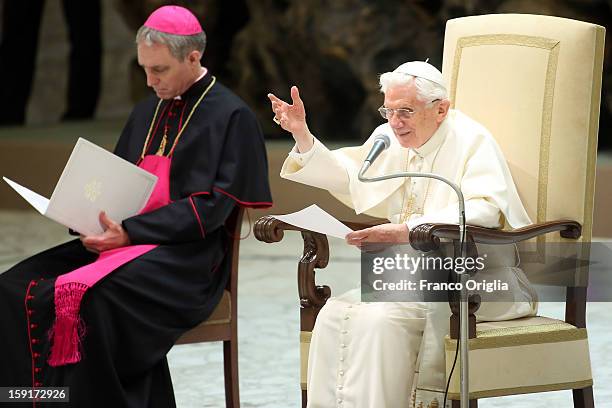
<point x="457" y="403"/>
<point x="583" y="398"/>
<point x="230" y="366"/>
<point x="304" y="398"/>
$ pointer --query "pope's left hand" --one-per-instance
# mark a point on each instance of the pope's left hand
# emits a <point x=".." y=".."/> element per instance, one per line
<point x="384" y="233"/>
<point x="114" y="236"/>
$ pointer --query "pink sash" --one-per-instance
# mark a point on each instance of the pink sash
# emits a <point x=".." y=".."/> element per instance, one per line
<point x="68" y="328"/>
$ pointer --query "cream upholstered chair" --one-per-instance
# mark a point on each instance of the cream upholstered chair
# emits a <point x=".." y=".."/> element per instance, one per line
<point x="534" y="82"/>
<point x="222" y="324"/>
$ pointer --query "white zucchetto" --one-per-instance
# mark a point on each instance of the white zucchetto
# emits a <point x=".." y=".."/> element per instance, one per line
<point x="422" y="69"/>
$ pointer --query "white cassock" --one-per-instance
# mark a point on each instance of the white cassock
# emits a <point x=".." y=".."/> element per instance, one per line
<point x="365" y="355"/>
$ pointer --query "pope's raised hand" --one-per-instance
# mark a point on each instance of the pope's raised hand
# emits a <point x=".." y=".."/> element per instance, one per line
<point x="292" y="118"/>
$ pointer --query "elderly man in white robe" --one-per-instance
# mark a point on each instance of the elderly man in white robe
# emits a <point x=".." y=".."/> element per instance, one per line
<point x="391" y="354"/>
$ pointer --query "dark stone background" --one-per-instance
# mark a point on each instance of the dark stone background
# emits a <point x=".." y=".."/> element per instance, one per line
<point x="332" y="50"/>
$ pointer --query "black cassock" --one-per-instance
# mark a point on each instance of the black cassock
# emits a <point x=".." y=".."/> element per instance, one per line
<point x="134" y="315"/>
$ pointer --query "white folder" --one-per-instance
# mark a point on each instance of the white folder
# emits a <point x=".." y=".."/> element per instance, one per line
<point x="93" y="180"/>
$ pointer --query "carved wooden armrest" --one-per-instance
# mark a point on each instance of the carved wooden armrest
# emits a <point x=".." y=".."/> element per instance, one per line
<point x="426" y="237"/>
<point x="316" y="255"/>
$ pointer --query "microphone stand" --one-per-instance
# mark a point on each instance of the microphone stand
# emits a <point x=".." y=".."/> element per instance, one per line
<point x="463" y="304"/>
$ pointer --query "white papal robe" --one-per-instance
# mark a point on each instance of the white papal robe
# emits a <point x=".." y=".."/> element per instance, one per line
<point x="365" y="355"/>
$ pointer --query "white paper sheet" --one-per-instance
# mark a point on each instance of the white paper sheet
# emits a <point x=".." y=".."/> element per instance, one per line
<point x="315" y="219"/>
<point x="36" y="200"/>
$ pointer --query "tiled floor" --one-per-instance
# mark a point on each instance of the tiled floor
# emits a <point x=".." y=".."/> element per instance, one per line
<point x="268" y="323"/>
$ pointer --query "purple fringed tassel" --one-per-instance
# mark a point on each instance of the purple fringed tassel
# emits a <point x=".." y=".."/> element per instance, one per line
<point x="68" y="328"/>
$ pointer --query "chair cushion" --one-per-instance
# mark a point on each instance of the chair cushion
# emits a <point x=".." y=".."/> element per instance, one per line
<point x="208" y="330"/>
<point x="531" y="354"/>
<point x="222" y="313"/>
<point x="305" y="338"/>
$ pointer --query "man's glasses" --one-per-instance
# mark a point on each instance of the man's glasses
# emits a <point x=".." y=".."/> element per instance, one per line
<point x="403" y="113"/>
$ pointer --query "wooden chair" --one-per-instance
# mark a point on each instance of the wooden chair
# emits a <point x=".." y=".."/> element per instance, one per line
<point x="534" y="82"/>
<point x="222" y="324"/>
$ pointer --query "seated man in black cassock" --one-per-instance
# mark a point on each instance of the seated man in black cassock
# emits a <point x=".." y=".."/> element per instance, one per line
<point x="99" y="314"/>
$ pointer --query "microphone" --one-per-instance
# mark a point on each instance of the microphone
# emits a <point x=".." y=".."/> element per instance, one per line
<point x="381" y="142"/>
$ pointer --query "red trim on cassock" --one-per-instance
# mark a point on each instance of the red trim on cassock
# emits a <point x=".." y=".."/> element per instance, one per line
<point x="199" y="193"/>
<point x="33" y="355"/>
<point x="195" y="211"/>
<point x="260" y="204"/>
<point x="27" y="298"/>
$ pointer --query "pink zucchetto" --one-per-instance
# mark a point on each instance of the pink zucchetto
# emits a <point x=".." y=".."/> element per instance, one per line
<point x="174" y="20"/>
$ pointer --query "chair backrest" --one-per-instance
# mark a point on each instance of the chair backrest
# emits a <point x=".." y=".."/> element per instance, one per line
<point x="534" y="82"/>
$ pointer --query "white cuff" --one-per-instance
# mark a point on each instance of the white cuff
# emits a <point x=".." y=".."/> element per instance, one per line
<point x="303" y="158"/>
<point x="414" y="220"/>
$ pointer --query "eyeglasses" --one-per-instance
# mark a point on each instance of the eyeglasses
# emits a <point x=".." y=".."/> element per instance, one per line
<point x="402" y="113"/>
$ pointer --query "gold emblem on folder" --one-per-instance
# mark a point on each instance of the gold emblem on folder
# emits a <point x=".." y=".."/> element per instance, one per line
<point x="93" y="190"/>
